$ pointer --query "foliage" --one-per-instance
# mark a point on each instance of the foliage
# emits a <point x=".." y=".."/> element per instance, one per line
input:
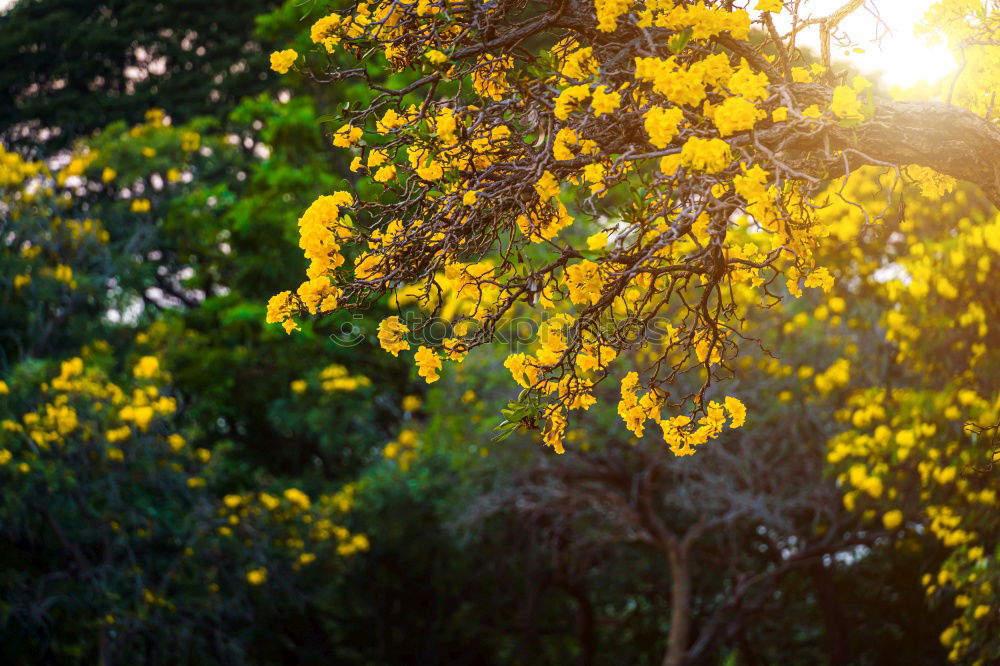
<point x="79" y="64"/>
<point x="663" y="214"/>
<point x="115" y="528"/>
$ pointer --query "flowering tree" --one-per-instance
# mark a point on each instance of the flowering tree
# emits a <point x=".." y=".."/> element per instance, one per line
<point x="142" y="502"/>
<point x="638" y="171"/>
<point x="919" y="445"/>
<point x="120" y="528"/>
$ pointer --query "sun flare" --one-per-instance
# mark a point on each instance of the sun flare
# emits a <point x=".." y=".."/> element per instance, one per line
<point x="884" y="44"/>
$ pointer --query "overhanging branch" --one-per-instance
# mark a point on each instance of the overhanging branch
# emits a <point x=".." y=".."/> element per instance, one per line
<point x="943" y="137"/>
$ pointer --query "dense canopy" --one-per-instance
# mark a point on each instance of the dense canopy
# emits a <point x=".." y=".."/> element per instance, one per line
<point x="582" y="331"/>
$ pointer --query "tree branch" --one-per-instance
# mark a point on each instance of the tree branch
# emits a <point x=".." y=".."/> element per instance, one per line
<point x="946" y="138"/>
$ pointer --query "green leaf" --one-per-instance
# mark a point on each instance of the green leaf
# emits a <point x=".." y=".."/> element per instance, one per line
<point x="504" y="430"/>
<point x="678" y="43"/>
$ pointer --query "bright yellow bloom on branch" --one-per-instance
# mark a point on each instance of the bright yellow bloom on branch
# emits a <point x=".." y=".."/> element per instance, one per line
<point x="390" y="335"/>
<point x="428" y="364"/>
<point x="282" y="61"/>
<point x="662" y="125"/>
<point x="708" y="155"/>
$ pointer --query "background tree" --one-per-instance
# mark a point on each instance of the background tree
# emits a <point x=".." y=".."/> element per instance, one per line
<point x="136" y="254"/>
<point x="75" y="65"/>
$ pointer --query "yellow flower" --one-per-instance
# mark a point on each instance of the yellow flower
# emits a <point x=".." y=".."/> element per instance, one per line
<point x="269" y="501"/>
<point x="547" y="186"/>
<point x="608" y="12"/>
<point x="568" y="99"/>
<point x="445" y="125"/>
<point x="257" y="576"/>
<point x="820" y="277"/>
<point x="190" y="141"/>
<point x="554" y="430"/>
<point x="845" y="103"/>
<point x="385" y="173"/>
<point x="347" y="136"/>
<point x="737" y="411"/>
<point x="147" y="367"/>
<point x="708" y="155"/>
<point x="812" y="111"/>
<point x="749" y="84"/>
<point x="298" y="498"/>
<point x="435" y="56"/>
<point x="4" y="389"/>
<point x="299" y="386"/>
<point x="598" y="241"/>
<point x="318" y="294"/>
<point x="279" y="307"/>
<point x="390" y="120"/>
<point x="585" y="282"/>
<point x="176" y="442"/>
<point x="565" y="138"/>
<point x="390" y="335"/>
<point x="662" y="125"/>
<point x="281" y="61"/>
<point x="892" y="519"/>
<point x="411" y="403"/>
<point x="523" y="369"/>
<point x="736" y="114"/>
<point x="604" y="102"/>
<point x="428" y="364"/>
<point x="769" y="6"/>
<point x="322" y="31"/>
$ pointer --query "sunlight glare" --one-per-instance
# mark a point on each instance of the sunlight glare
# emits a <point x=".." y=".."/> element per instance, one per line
<point x="891" y="50"/>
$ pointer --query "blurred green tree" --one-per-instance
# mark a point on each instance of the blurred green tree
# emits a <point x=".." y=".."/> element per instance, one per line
<point x="71" y="67"/>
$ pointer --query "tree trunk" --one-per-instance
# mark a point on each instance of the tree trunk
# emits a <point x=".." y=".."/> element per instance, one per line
<point x="103" y="649"/>
<point x="586" y="625"/>
<point x="680" y="605"/>
<point x="836" y="635"/>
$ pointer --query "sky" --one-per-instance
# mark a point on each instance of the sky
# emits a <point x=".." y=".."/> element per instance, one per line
<point x="892" y="48"/>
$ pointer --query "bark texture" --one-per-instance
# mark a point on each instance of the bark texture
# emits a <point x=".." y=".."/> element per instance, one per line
<point x="946" y="138"/>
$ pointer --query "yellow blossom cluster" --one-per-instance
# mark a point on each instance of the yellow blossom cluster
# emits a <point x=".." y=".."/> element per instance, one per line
<point x="681" y="434"/>
<point x="907" y="467"/>
<point x="596" y="186"/>
<point x="292" y="521"/>
<point x="282" y="61"/>
<point x="15" y="170"/>
<point x="403" y="449"/>
<point x="81" y="408"/>
<point x="337" y="378"/>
